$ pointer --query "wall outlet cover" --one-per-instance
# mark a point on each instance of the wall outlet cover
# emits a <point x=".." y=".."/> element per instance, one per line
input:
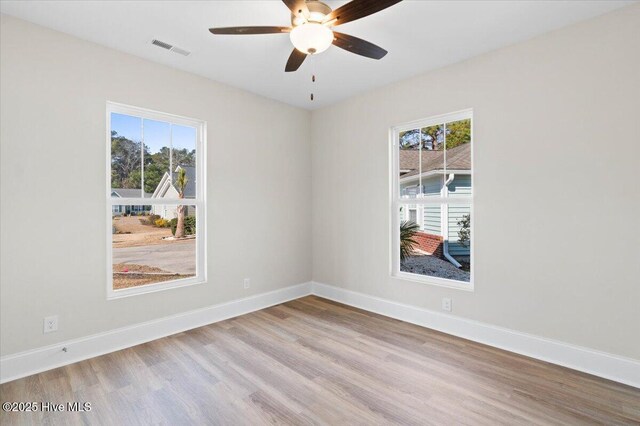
<point x="50" y="324"/>
<point x="446" y="304"/>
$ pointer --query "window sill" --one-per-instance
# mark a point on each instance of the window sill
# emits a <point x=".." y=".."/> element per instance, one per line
<point x="439" y="282"/>
<point x="153" y="288"/>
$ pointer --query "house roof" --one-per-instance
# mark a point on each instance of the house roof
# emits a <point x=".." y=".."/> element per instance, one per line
<point x="458" y="158"/>
<point x="190" y="189"/>
<point x="129" y="193"/>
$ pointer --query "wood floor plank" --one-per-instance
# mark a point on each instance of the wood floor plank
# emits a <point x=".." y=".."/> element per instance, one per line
<point x="314" y="361"/>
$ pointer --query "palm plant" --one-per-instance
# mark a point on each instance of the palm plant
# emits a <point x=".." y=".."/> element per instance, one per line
<point x="408" y="230"/>
<point x="181" y="184"/>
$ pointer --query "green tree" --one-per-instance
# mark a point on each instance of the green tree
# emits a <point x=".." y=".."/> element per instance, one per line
<point x="156" y="165"/>
<point x="458" y="133"/>
<point x="126" y="160"/>
<point x="184" y="157"/>
<point x="152" y="176"/>
<point x="133" y="179"/>
<point x="433" y="137"/>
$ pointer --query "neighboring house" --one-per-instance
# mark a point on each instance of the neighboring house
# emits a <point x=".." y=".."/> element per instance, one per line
<point x="117" y="210"/>
<point x="167" y="189"/>
<point x="438" y="225"/>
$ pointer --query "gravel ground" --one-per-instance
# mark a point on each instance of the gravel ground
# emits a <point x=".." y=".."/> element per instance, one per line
<point x="431" y="265"/>
<point x="140" y="275"/>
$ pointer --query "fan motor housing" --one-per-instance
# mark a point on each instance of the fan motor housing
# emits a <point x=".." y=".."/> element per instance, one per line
<point x="316" y="8"/>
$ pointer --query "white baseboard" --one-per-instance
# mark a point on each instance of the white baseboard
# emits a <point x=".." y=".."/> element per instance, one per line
<point x="608" y="366"/>
<point x="600" y="364"/>
<point x="46" y="358"/>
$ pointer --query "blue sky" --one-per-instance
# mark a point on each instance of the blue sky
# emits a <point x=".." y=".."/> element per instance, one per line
<point x="157" y="134"/>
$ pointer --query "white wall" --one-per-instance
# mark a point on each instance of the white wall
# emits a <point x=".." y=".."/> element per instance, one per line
<point x="557" y="149"/>
<point x="54" y="89"/>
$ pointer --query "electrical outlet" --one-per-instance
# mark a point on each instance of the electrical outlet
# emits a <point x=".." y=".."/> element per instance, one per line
<point x="247" y="283"/>
<point x="50" y="324"/>
<point x="446" y="304"/>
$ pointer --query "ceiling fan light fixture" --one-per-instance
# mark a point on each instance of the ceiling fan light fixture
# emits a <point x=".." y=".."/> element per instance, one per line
<point x="316" y="16"/>
<point x="311" y="30"/>
<point x="311" y="38"/>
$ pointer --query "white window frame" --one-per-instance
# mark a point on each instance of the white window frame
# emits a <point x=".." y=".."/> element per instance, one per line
<point x="199" y="201"/>
<point x="396" y="200"/>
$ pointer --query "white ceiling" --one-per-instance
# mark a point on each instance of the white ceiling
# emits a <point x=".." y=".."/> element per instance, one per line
<point x="419" y="35"/>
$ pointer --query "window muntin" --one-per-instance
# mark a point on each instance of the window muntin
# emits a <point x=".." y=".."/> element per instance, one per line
<point x="155" y="194"/>
<point x="432" y="193"/>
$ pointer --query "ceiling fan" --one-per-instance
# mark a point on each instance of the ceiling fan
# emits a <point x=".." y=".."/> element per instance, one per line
<point x="311" y="28"/>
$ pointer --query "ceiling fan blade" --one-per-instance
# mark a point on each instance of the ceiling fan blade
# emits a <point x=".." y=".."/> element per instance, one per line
<point x="295" y="60"/>
<point x="358" y="46"/>
<point x="357" y="9"/>
<point x="249" y="30"/>
<point x="297" y="7"/>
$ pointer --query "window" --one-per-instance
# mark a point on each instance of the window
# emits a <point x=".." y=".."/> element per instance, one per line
<point x="432" y="200"/>
<point x="413" y="215"/>
<point x="156" y="201"/>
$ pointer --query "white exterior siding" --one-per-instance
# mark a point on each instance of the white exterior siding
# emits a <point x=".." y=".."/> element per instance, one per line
<point x="433" y="185"/>
<point x="432" y="222"/>
<point x="167" y="212"/>
<point x="461" y="185"/>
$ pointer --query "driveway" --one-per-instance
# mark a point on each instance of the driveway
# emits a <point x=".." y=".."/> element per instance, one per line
<point x="177" y="257"/>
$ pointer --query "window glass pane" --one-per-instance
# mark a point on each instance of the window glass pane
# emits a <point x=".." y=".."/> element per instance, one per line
<point x="432" y="164"/>
<point x="126" y="156"/>
<point x="423" y="246"/>
<point x="459" y="235"/>
<point x="148" y="247"/>
<point x="184" y="157"/>
<point x="410" y="146"/>
<point x="458" y="157"/>
<point x="157" y="147"/>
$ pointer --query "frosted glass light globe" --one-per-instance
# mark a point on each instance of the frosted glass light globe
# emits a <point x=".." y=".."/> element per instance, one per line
<point x="311" y="38"/>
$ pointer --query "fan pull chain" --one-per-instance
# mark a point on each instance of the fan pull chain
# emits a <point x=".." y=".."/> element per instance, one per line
<point x="313" y="80"/>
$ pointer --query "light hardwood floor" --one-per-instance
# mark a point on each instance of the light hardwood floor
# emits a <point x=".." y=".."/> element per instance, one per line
<point x="314" y="361"/>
